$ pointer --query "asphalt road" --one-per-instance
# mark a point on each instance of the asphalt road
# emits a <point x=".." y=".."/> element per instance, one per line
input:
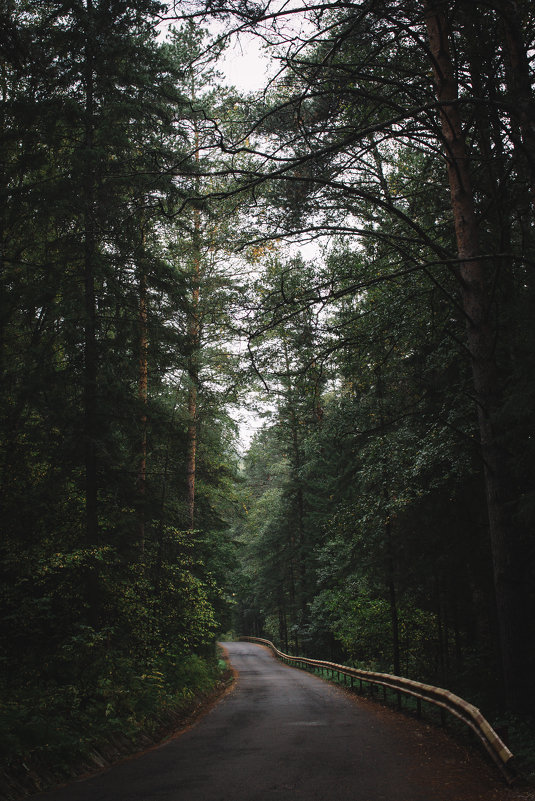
<point x="281" y="733"/>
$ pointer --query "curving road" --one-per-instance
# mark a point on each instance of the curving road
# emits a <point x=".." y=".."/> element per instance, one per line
<point x="281" y="733"/>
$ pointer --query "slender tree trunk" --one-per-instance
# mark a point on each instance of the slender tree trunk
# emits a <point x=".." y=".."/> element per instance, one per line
<point x="457" y="636"/>
<point x="441" y="633"/>
<point x="522" y="117"/>
<point x="194" y="337"/>
<point x="507" y="577"/>
<point x="90" y="347"/>
<point x="283" y="625"/>
<point x="298" y="545"/>
<point x="3" y="196"/>
<point x="521" y="91"/>
<point x="90" y="315"/>
<point x="394" y="617"/>
<point x="143" y="399"/>
<point x="193" y="370"/>
<point x="191" y="465"/>
<point x="390" y="563"/>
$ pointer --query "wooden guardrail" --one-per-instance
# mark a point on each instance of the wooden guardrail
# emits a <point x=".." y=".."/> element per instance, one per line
<point x="443" y="699"/>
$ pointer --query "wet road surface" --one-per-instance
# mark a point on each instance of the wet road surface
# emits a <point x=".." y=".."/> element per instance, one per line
<point x="281" y="733"/>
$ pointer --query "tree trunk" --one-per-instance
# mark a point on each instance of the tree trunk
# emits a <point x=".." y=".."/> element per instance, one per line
<point x="521" y="114"/>
<point x="194" y="338"/>
<point x="283" y="624"/>
<point x="143" y="399"/>
<point x="394" y="617"/>
<point x="191" y="464"/>
<point x="522" y="97"/>
<point x="90" y="348"/>
<point x="442" y="633"/>
<point x="507" y="576"/>
<point x="390" y="563"/>
<point x="298" y="544"/>
<point x="90" y="314"/>
<point x="193" y="370"/>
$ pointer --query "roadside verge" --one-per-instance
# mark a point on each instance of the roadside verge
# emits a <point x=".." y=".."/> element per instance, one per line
<point x="29" y="777"/>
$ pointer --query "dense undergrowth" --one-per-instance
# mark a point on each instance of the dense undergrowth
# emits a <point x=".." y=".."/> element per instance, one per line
<point x="51" y="727"/>
<point x="520" y="735"/>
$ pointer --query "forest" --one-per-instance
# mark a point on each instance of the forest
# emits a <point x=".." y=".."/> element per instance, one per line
<point x="343" y="257"/>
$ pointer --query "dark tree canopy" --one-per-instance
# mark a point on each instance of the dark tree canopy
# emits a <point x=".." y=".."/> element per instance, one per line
<point x="350" y="247"/>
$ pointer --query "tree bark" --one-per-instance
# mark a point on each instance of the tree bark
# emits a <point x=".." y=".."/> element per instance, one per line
<point x="520" y="87"/>
<point x="475" y="300"/>
<point x="390" y="562"/>
<point x="521" y="113"/>
<point x="90" y="347"/>
<point x="194" y="338"/>
<point x="297" y="544"/>
<point x="193" y="370"/>
<point x="394" y="616"/>
<point x="143" y="399"/>
<point x="90" y="315"/>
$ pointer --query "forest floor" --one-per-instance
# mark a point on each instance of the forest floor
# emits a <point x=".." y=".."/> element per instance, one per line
<point x="467" y="767"/>
<point x="521" y="738"/>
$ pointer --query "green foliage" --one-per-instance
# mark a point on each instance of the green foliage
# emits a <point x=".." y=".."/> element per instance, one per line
<point x="57" y="725"/>
<point x="110" y="603"/>
<point x="360" y="513"/>
<point x="364" y="534"/>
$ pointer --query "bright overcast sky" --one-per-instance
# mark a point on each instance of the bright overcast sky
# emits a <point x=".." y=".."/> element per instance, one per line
<point x="245" y="65"/>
